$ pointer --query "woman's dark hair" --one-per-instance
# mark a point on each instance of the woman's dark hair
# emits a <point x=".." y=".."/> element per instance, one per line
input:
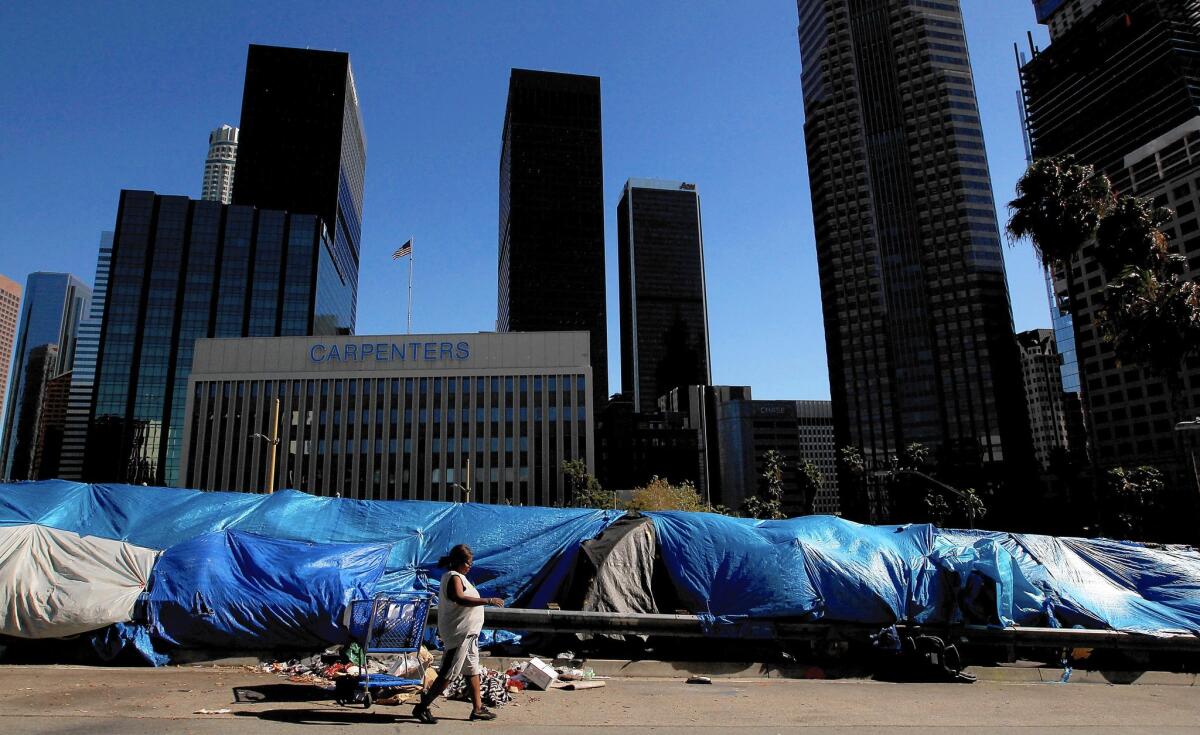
<point x="458" y="555"/>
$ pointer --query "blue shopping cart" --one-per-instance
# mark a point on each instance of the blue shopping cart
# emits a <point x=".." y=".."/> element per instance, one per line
<point x="386" y="624"/>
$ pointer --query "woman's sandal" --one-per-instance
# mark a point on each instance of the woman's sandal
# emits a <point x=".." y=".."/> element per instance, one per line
<point x="424" y="716"/>
<point x="483" y="714"/>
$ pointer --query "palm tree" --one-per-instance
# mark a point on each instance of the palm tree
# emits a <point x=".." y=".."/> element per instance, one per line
<point x="1131" y="235"/>
<point x="1152" y="318"/>
<point x="1059" y="206"/>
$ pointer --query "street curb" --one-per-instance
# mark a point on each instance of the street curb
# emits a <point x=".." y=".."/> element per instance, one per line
<point x="723" y="670"/>
<point x="651" y="669"/>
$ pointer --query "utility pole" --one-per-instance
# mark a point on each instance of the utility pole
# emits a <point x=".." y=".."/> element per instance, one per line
<point x="273" y="442"/>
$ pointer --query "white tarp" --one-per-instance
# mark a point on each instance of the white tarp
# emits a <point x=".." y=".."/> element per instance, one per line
<point x="57" y="583"/>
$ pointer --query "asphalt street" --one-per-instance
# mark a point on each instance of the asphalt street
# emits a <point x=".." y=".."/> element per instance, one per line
<point x="60" y="699"/>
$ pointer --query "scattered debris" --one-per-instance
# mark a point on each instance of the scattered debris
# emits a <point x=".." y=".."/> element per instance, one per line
<point x="539" y="673"/>
<point x="493" y="688"/>
<point x="574" y="686"/>
<point x="699" y="680"/>
<point x="573" y="674"/>
<point x="224" y="711"/>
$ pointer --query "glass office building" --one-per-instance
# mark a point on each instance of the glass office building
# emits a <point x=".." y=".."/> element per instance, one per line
<point x="551" y="234"/>
<point x="664" y="310"/>
<point x="50" y="314"/>
<point x="425" y="417"/>
<point x="83" y="370"/>
<point x="183" y="270"/>
<point x="302" y="149"/>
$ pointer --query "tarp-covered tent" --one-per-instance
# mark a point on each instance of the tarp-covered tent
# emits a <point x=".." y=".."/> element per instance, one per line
<point x="816" y="567"/>
<point x="231" y="589"/>
<point x="57" y="583"/>
<point x="615" y="572"/>
<point x="1098" y="583"/>
<point x="520" y="553"/>
<point x="810" y="568"/>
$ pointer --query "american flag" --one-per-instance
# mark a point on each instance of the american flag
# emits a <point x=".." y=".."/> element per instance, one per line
<point x="405" y="249"/>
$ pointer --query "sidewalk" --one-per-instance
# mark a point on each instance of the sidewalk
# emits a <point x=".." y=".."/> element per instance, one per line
<point x="57" y="699"/>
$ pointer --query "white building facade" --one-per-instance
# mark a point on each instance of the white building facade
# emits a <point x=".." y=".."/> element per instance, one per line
<point x="485" y="417"/>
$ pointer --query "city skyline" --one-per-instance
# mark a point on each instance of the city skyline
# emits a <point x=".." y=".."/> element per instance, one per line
<point x="435" y="155"/>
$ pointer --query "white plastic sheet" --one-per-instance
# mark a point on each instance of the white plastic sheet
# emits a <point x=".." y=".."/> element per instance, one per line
<point x="57" y="583"/>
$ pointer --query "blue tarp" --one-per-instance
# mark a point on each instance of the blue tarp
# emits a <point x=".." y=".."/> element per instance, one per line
<point x="242" y="550"/>
<point x="521" y="554"/>
<point x="231" y="589"/>
<point x="819" y="567"/>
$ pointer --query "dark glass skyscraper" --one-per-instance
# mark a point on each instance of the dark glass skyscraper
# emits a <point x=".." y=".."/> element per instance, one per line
<point x="182" y="270"/>
<point x="301" y="148"/>
<point x="83" y="370"/>
<point x="551" y="270"/>
<point x="1119" y="88"/>
<point x="50" y="314"/>
<point x="664" y="313"/>
<point x="917" y="319"/>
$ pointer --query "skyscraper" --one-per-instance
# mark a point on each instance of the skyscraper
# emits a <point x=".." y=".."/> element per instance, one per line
<point x="301" y="147"/>
<point x="10" y="312"/>
<point x="1040" y="364"/>
<point x="814" y="422"/>
<point x="220" y="165"/>
<point x="1119" y="88"/>
<point x="551" y="239"/>
<point x="83" y="370"/>
<point x="47" y="449"/>
<point x="917" y="320"/>
<point x="182" y="270"/>
<point x="53" y="307"/>
<point x="664" y="311"/>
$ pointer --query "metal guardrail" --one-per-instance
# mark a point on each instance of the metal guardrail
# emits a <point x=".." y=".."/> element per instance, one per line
<point x="688" y="626"/>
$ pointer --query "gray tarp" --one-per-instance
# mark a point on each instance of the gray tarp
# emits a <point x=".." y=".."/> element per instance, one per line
<point x="623" y="559"/>
<point x="57" y="583"/>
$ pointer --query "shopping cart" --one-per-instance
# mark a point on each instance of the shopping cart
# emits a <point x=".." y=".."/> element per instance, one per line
<point x="386" y="624"/>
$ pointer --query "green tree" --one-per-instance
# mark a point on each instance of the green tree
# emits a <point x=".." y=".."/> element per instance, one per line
<point x="937" y="508"/>
<point x="852" y="483"/>
<point x="916" y="456"/>
<point x="769" y="506"/>
<point x="851" y="460"/>
<point x="659" y="494"/>
<point x="1151" y="317"/>
<point x="583" y="489"/>
<point x="1134" y="493"/>
<point x="1130" y="235"/>
<point x="810" y="482"/>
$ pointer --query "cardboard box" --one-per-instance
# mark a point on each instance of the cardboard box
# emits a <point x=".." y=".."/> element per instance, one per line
<point x="539" y="673"/>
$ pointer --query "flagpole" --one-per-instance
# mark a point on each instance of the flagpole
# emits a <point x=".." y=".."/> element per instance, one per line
<point x="410" y="282"/>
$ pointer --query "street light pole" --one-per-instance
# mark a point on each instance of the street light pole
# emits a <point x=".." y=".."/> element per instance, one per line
<point x="1192" y="425"/>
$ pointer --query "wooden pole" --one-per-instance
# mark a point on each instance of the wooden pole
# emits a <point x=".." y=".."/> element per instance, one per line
<point x="274" y="442"/>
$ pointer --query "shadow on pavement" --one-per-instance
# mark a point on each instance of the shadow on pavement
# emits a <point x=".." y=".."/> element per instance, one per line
<point x="282" y="693"/>
<point x="330" y="717"/>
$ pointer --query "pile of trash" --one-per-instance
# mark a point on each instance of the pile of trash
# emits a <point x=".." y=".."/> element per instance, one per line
<point x="566" y="672"/>
<point x="339" y="668"/>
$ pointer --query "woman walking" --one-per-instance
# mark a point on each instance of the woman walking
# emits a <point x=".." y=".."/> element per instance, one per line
<point x="460" y="618"/>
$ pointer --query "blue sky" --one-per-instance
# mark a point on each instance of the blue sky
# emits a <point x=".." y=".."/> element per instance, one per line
<point x="97" y="97"/>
